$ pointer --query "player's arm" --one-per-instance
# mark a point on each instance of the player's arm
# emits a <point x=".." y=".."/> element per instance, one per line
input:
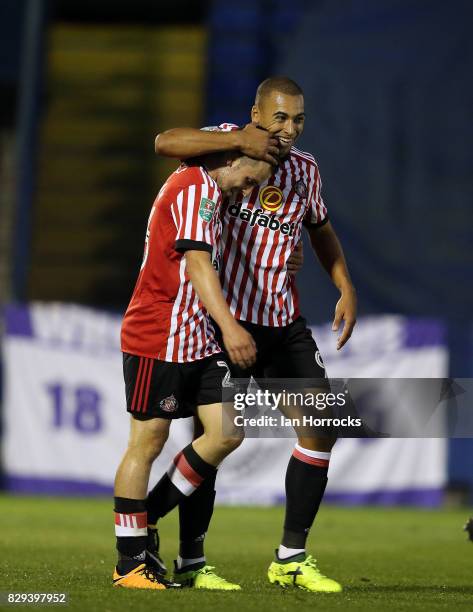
<point x="238" y="342"/>
<point x="296" y="259"/>
<point x="329" y="251"/>
<point x="183" y="143"/>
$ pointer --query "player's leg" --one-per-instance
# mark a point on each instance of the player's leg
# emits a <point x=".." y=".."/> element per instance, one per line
<point x="213" y="445"/>
<point x="155" y="392"/>
<point x="306" y="474"/>
<point x="195" y="514"/>
<point x="195" y="465"/>
<point x="203" y="385"/>
<point x="189" y="469"/>
<point x="147" y="438"/>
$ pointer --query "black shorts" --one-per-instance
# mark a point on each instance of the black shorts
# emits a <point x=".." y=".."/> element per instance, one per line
<point x="288" y="352"/>
<point x="172" y="390"/>
<point x="283" y="352"/>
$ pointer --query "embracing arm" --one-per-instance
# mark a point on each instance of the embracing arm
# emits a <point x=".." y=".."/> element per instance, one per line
<point x="238" y="342"/>
<point x="183" y="143"/>
<point x="330" y="254"/>
<point x="296" y="259"/>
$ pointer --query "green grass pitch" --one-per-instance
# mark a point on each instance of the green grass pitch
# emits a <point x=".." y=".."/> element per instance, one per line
<point x="387" y="559"/>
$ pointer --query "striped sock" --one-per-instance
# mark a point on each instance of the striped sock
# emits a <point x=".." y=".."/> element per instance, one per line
<point x="185" y="474"/>
<point x="131" y="531"/>
<point x="306" y="479"/>
<point x="195" y="514"/>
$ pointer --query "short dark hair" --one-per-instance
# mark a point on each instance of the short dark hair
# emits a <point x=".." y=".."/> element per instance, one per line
<point x="282" y="84"/>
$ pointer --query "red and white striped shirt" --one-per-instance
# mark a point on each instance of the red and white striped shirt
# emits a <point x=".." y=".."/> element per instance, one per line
<point x="260" y="231"/>
<point x="165" y="319"/>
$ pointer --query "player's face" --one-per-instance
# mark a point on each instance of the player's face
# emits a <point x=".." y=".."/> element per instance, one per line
<point x="241" y="176"/>
<point x="282" y="115"/>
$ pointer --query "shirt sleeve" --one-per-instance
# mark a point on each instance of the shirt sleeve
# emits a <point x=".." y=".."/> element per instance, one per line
<point x="193" y="213"/>
<point x="316" y="214"/>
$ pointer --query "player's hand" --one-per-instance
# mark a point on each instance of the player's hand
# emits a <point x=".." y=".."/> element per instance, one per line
<point x="295" y="261"/>
<point x="240" y="345"/>
<point x="345" y="311"/>
<point x="259" y="144"/>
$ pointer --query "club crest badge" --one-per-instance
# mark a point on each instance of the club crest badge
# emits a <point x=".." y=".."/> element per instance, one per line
<point x="168" y="404"/>
<point x="301" y="188"/>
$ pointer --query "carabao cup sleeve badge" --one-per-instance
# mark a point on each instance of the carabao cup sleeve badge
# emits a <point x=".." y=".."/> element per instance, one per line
<point x="206" y="209"/>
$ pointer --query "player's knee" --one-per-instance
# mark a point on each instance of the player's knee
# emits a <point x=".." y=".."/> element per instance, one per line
<point x="228" y="444"/>
<point x="322" y="444"/>
<point x="153" y="445"/>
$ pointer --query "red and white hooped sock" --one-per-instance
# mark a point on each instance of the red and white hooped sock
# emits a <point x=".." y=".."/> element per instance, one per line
<point x="131" y="525"/>
<point x="318" y="458"/>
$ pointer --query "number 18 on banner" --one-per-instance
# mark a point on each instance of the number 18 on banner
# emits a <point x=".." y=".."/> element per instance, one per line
<point x="76" y="407"/>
